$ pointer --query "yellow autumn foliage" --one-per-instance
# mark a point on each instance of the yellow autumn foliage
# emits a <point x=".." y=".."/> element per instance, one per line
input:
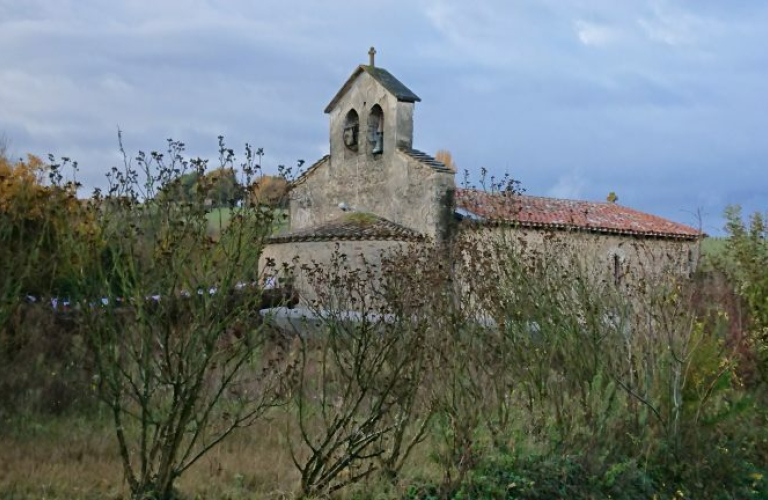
<point x="42" y="226"/>
<point x="270" y="190"/>
<point x="444" y="156"/>
<point x="22" y="191"/>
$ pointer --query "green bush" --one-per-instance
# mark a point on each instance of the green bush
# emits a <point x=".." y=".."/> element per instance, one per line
<point x="745" y="262"/>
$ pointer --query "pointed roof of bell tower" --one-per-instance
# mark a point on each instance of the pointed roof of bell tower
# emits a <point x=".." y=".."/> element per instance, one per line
<point x="385" y="79"/>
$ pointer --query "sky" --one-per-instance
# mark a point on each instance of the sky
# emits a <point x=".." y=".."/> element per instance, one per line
<point x="664" y="102"/>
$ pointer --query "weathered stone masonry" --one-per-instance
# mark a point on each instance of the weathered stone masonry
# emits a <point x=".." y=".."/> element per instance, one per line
<point x="375" y="193"/>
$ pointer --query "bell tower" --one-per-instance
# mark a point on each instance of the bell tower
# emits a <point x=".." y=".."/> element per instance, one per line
<point x="372" y="168"/>
<point x="371" y="116"/>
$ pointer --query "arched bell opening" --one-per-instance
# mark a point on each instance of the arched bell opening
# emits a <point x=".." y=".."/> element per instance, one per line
<point x="376" y="129"/>
<point x="351" y="130"/>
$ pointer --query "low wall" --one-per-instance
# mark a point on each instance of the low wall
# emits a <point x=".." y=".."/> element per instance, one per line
<point x="359" y="255"/>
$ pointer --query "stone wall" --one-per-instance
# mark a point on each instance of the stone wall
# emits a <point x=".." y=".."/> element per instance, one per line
<point x="623" y="259"/>
<point x="296" y="254"/>
<point x="619" y="259"/>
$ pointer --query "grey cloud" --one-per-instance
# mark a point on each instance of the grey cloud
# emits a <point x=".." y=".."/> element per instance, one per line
<point x="663" y="106"/>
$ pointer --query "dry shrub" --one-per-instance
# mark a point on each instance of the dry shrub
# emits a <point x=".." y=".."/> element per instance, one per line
<point x="180" y="354"/>
<point x="356" y="404"/>
<point x="45" y="369"/>
<point x="545" y="356"/>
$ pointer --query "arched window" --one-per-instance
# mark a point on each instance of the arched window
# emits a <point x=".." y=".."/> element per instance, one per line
<point x="351" y="129"/>
<point x="376" y="129"/>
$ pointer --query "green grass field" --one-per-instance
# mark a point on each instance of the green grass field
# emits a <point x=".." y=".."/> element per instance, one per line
<point x="218" y="219"/>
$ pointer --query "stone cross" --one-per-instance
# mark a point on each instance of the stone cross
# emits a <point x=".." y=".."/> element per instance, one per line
<point x="372" y="55"/>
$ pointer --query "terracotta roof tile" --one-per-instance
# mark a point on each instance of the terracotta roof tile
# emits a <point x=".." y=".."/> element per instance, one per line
<point x="533" y="211"/>
<point x="351" y="226"/>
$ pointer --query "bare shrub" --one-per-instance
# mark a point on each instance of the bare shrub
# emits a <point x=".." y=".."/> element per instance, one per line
<point x="570" y="362"/>
<point x="181" y="357"/>
<point x="356" y="405"/>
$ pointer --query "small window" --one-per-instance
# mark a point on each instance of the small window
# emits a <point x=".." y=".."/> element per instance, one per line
<point x="376" y="129"/>
<point x="691" y="262"/>
<point x="351" y="130"/>
<point x="618" y="272"/>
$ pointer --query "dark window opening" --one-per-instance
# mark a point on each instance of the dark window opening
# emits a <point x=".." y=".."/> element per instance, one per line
<point x="376" y="129"/>
<point x="617" y="271"/>
<point x="351" y="130"/>
<point x="691" y="263"/>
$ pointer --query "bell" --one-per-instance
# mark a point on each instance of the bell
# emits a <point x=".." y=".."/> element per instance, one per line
<point x="350" y="136"/>
<point x="378" y="145"/>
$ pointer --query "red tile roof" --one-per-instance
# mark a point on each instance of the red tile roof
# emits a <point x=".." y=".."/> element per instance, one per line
<point x="534" y="211"/>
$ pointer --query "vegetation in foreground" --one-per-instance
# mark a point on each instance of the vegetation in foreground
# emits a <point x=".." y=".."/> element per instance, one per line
<point x="506" y="375"/>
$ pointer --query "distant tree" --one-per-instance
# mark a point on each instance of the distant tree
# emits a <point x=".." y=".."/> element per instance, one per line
<point x="219" y="186"/>
<point x="181" y="188"/>
<point x="612" y="197"/>
<point x="222" y="187"/>
<point x="444" y="156"/>
<point x="270" y="190"/>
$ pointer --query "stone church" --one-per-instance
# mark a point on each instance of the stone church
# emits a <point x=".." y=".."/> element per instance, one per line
<point x="375" y="192"/>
